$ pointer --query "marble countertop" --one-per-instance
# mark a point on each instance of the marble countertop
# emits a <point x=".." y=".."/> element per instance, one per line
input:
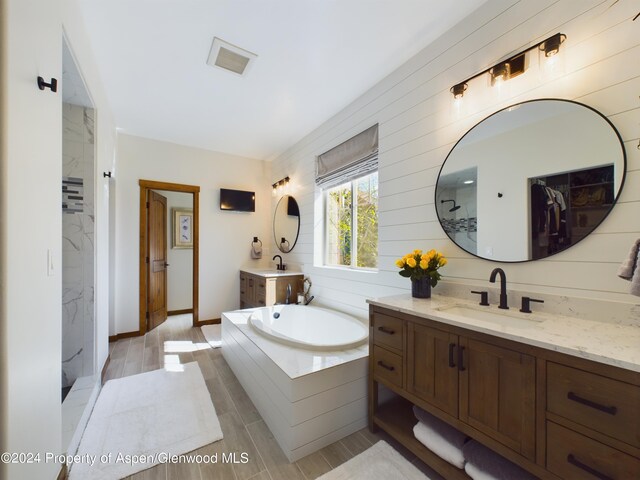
<point x="270" y="272"/>
<point x="603" y="342"/>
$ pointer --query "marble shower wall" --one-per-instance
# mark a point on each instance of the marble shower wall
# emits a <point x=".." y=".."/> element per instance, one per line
<point x="77" y="243"/>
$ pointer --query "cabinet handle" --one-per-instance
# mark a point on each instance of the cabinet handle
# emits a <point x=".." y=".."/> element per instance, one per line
<point x="386" y="330"/>
<point x="452" y="363"/>
<point x="241" y="292"/>
<point x="461" y="359"/>
<point x="574" y="461"/>
<point x="385" y="366"/>
<point x="589" y="403"/>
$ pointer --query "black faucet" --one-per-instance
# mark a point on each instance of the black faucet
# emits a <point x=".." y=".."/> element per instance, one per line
<point x="280" y="266"/>
<point x="503" y="286"/>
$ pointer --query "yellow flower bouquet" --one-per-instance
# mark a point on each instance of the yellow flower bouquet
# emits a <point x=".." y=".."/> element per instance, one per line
<point x="422" y="266"/>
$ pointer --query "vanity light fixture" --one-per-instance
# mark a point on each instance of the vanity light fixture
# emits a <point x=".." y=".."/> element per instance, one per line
<point x="512" y="66"/>
<point x="280" y="184"/>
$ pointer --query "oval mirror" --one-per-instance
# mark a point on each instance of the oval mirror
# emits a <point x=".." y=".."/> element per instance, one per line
<point x="286" y="223"/>
<point x="530" y="181"/>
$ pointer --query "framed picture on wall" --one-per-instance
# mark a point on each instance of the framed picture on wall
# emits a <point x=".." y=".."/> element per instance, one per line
<point x="182" y="228"/>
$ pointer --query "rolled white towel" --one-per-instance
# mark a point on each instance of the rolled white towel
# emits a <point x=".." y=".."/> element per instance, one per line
<point x="442" y="439"/>
<point x="485" y="464"/>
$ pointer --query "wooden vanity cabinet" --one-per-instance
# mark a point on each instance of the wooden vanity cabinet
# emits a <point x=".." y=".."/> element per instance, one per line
<point x="488" y="387"/>
<point x="555" y="415"/>
<point x="592" y="422"/>
<point x="261" y="291"/>
<point x="497" y="393"/>
<point x="432" y="371"/>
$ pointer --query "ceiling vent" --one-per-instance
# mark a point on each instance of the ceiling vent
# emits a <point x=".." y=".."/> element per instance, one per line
<point x="231" y="58"/>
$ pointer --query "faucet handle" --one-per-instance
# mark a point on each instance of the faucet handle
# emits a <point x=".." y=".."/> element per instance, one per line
<point x="526" y="306"/>
<point x="484" y="297"/>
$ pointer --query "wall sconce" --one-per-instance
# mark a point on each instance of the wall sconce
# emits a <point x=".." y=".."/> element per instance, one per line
<point x="280" y="184"/>
<point x="514" y="65"/>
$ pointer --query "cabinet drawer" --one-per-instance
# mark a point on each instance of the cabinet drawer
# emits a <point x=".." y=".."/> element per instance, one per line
<point x="260" y="299"/>
<point x="600" y="403"/>
<point x="387" y="331"/>
<point x="572" y="455"/>
<point x="387" y="365"/>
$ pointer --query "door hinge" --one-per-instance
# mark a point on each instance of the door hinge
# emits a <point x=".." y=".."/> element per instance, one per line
<point x="147" y="315"/>
<point x="148" y="205"/>
<point x="146" y="260"/>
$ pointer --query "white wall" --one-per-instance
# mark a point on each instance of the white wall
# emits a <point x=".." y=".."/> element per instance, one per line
<point x="30" y="336"/>
<point x="31" y="165"/>
<point x="419" y="126"/>
<point x="180" y="260"/>
<point x="225" y="237"/>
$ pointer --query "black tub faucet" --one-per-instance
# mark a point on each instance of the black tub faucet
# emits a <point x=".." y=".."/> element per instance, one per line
<point x="280" y="266"/>
<point x="503" y="286"/>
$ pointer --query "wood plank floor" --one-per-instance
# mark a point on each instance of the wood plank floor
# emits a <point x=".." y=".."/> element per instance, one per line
<point x="175" y="341"/>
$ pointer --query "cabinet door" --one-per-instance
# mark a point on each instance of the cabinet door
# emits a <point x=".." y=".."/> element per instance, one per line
<point x="497" y="394"/>
<point x="432" y="374"/>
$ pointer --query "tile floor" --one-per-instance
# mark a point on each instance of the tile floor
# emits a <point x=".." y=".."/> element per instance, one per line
<point x="243" y="428"/>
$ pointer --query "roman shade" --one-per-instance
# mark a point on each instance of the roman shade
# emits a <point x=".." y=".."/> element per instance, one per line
<point x="352" y="159"/>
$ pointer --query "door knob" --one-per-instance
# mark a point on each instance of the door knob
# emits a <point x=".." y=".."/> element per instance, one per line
<point x="166" y="264"/>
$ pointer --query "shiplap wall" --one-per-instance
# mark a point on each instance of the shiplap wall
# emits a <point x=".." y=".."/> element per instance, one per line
<point x="418" y="127"/>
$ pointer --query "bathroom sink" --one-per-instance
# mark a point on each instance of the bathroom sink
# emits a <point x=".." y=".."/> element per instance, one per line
<point x="495" y="318"/>
<point x="272" y="272"/>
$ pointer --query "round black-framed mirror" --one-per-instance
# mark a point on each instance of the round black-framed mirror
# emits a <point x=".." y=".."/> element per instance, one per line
<point x="286" y="223"/>
<point x="530" y="180"/>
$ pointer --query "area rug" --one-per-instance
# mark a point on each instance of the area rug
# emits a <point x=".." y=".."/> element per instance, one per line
<point x="213" y="335"/>
<point x="380" y="462"/>
<point x="139" y="420"/>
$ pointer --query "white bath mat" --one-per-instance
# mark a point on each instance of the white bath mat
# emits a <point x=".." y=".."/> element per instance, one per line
<point x="380" y="462"/>
<point x="213" y="335"/>
<point x="147" y="416"/>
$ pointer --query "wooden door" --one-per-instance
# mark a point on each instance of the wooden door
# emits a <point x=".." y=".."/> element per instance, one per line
<point x="497" y="394"/>
<point x="432" y="374"/>
<point x="157" y="268"/>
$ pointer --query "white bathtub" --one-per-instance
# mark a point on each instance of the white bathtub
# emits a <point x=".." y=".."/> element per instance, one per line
<point x="310" y="397"/>
<point x="311" y="328"/>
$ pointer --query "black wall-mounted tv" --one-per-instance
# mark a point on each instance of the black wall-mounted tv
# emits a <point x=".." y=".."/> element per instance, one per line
<point x="237" y="200"/>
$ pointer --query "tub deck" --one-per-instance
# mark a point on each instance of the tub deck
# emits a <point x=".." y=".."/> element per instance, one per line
<point x="309" y="399"/>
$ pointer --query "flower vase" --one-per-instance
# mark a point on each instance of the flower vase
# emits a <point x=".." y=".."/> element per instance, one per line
<point x="421" y="288"/>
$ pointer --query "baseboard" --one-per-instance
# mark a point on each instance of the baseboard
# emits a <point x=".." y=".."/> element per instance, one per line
<point x="120" y="336"/>
<point x="213" y="321"/>
<point x="63" y="472"/>
<point x="179" y="312"/>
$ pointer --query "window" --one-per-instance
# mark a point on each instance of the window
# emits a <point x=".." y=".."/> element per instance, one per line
<point x="348" y="176"/>
<point x="351" y="230"/>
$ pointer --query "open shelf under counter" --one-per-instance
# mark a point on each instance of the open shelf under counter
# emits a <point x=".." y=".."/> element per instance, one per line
<point x="396" y="418"/>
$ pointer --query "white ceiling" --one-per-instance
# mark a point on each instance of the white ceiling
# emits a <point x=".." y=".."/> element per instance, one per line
<point x="314" y="57"/>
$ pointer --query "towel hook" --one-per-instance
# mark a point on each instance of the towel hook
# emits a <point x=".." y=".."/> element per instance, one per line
<point x="53" y="85"/>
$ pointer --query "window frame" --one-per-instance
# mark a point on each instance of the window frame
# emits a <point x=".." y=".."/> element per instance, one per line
<point x="354" y="222"/>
